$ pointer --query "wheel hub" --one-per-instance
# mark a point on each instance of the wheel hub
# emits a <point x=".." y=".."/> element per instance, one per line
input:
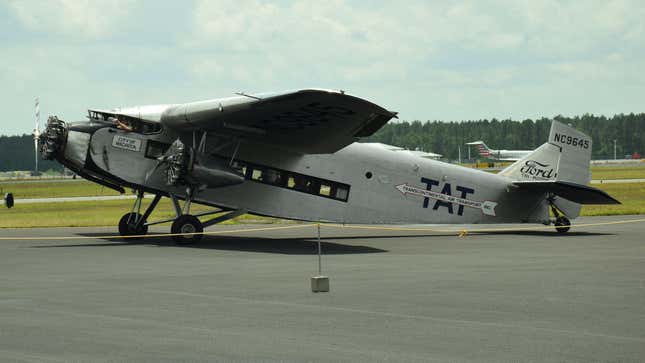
<point x="188" y="228"/>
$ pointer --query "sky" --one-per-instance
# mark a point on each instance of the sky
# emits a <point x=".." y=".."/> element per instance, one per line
<point x="427" y="60"/>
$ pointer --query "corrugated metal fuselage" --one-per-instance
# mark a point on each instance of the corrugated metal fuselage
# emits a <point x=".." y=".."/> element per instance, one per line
<point x="385" y="187"/>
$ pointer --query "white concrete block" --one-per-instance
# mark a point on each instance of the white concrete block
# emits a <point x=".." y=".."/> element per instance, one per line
<point x="320" y="284"/>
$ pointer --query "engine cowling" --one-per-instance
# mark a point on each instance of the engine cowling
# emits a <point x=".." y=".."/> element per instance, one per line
<point x="185" y="167"/>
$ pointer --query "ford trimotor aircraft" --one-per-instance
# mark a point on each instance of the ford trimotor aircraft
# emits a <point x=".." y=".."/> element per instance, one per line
<point x="293" y="155"/>
<point x="501" y="155"/>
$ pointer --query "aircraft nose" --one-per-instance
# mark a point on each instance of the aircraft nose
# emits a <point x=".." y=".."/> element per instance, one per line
<point x="52" y="140"/>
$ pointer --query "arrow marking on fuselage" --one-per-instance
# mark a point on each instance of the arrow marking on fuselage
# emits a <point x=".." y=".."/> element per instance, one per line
<point x="487" y="207"/>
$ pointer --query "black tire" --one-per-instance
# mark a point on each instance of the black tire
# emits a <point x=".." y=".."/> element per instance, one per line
<point x="562" y="224"/>
<point x="8" y="200"/>
<point x="187" y="224"/>
<point x="127" y="226"/>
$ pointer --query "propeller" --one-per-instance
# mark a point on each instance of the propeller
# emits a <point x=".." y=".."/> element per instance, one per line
<point x="190" y="166"/>
<point x="176" y="160"/>
<point x="36" y="134"/>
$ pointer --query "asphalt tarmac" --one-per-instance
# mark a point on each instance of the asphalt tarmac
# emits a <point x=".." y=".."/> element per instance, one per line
<point x="395" y="296"/>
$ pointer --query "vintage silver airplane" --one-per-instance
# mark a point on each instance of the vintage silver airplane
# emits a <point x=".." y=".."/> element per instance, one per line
<point x="293" y="155"/>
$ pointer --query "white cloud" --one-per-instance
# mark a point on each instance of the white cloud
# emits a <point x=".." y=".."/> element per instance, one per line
<point x="426" y="59"/>
<point x="77" y="18"/>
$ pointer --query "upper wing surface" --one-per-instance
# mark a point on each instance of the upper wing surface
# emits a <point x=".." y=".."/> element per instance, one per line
<point x="306" y="121"/>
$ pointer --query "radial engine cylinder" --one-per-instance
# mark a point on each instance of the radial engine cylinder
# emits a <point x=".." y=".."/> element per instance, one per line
<point x="53" y="139"/>
<point x="185" y="167"/>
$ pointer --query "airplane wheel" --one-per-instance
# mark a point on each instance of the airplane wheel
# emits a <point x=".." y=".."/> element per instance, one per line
<point x="187" y="224"/>
<point x="127" y="226"/>
<point x="562" y="224"/>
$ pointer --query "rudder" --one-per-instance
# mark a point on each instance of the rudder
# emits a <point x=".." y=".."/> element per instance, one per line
<point x="565" y="157"/>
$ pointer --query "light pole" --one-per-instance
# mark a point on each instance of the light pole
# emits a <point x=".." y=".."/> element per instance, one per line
<point x="614" y="149"/>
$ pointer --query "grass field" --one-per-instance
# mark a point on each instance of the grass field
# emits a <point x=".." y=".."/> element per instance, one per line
<point x="631" y="195"/>
<point x="56" y="189"/>
<point x="94" y="213"/>
<point x="108" y="213"/>
<point x="602" y="173"/>
<point x="599" y="172"/>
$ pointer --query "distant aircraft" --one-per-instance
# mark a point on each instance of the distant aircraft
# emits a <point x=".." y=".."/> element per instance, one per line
<point x="502" y="155"/>
<point x="292" y="155"/>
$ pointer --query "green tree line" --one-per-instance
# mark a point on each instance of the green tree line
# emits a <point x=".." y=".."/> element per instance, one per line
<point x="447" y="137"/>
<point x="17" y="153"/>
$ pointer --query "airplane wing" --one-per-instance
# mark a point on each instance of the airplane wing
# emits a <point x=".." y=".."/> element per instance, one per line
<point x="574" y="192"/>
<point x="306" y="121"/>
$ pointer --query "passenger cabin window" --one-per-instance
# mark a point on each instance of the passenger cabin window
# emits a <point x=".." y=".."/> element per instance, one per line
<point x="256" y="174"/>
<point x="294" y="181"/>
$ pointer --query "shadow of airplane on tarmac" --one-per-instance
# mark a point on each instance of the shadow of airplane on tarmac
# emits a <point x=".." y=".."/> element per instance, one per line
<point x="298" y="245"/>
<point x="287" y="246"/>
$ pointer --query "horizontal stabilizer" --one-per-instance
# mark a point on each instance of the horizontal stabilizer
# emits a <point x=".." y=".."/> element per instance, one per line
<point x="577" y="193"/>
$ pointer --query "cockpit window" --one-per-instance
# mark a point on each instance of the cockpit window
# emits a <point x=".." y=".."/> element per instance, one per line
<point x="138" y="126"/>
<point x="150" y="127"/>
<point x="127" y="123"/>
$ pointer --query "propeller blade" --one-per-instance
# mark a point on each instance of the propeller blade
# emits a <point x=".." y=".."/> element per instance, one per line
<point x="37" y="107"/>
<point x="160" y="160"/>
<point x="36" y="134"/>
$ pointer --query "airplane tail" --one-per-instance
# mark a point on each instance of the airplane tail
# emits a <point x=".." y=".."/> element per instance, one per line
<point x="565" y="157"/>
<point x="482" y="149"/>
<point x="560" y="169"/>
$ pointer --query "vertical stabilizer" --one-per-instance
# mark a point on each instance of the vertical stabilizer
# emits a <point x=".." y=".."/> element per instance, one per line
<point x="483" y="149"/>
<point x="575" y="153"/>
<point x="565" y="157"/>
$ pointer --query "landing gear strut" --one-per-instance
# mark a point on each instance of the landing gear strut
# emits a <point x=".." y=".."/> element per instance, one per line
<point x="562" y="223"/>
<point x="186" y="228"/>
<point x="134" y="223"/>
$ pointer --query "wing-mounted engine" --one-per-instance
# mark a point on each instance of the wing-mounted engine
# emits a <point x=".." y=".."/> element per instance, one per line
<point x="184" y="166"/>
<point x="52" y="140"/>
<point x="179" y="158"/>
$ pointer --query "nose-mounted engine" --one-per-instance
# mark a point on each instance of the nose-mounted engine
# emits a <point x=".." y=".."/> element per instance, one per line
<point x="52" y="140"/>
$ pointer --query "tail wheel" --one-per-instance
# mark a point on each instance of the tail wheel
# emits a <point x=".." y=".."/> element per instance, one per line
<point x="187" y="229"/>
<point x="127" y="225"/>
<point x="562" y="224"/>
